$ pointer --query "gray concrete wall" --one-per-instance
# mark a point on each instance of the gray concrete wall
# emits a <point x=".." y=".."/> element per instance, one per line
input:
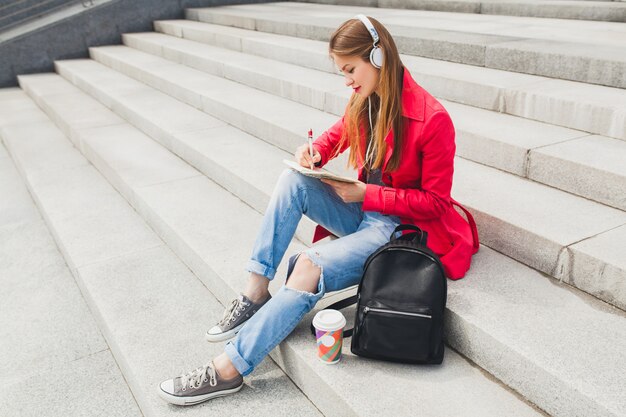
<point x="70" y="37"/>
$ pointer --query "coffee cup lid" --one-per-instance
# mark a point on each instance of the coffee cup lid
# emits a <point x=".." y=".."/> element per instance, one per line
<point x="329" y="320"/>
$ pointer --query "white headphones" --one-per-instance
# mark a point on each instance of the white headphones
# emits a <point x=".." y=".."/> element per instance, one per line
<point x="376" y="54"/>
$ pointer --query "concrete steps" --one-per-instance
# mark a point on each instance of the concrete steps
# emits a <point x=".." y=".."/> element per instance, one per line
<point x="590" y="52"/>
<point x="560" y="9"/>
<point x="496" y="285"/>
<point x="501" y="347"/>
<point x="191" y="136"/>
<point x="538" y="234"/>
<point x="197" y="218"/>
<point x="176" y="210"/>
<point x="589" y="108"/>
<point x="50" y="341"/>
<point x="150" y="308"/>
<point x="539" y="151"/>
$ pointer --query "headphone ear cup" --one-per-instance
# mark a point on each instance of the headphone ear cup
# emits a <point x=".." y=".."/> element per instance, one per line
<point x="376" y="57"/>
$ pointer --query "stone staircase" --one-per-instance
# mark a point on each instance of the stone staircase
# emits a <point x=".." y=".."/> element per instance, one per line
<point x="605" y="10"/>
<point x="148" y="159"/>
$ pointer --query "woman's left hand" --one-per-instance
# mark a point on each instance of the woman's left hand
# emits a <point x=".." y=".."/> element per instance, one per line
<point x="348" y="191"/>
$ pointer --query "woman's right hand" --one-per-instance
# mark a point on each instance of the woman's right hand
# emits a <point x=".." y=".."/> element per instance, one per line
<point x="303" y="156"/>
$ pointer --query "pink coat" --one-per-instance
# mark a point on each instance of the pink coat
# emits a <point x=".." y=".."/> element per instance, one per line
<point x="419" y="190"/>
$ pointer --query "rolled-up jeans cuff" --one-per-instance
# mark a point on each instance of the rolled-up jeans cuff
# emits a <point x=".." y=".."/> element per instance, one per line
<point x="259" y="268"/>
<point x="240" y="364"/>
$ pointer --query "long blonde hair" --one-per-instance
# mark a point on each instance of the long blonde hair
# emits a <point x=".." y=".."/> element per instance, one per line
<point x="353" y="39"/>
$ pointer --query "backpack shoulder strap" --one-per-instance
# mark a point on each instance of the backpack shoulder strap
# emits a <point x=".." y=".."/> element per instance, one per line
<point x="470" y="220"/>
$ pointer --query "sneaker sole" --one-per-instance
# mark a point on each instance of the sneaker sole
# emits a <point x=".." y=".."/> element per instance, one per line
<point x="213" y="338"/>
<point x="172" y="399"/>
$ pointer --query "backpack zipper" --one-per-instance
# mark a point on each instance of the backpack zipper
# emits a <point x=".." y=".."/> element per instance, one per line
<point x="403" y="313"/>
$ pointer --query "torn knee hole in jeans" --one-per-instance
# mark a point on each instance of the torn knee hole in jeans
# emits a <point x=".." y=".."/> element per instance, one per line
<point x="309" y="294"/>
<point x="292" y="264"/>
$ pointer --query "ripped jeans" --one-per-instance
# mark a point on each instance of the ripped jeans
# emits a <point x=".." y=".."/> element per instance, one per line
<point x="341" y="260"/>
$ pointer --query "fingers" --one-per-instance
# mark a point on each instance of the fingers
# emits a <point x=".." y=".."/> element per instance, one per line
<point x="303" y="157"/>
<point x="349" y="193"/>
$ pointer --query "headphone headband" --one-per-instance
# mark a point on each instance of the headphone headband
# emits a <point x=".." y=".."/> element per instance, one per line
<point x="376" y="54"/>
<point x="369" y="27"/>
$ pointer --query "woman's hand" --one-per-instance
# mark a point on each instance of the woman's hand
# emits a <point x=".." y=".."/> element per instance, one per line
<point x="348" y="191"/>
<point x="303" y="156"/>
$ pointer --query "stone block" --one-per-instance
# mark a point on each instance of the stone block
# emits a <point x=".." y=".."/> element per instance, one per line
<point x="589" y="108"/>
<point x="44" y="147"/>
<point x="454" y="6"/>
<point x="169" y="27"/>
<point x="160" y="116"/>
<point x="500" y="140"/>
<point x="561" y="9"/>
<point x="104" y="79"/>
<point x="110" y="393"/>
<point x="592" y="166"/>
<point x="129" y="159"/>
<point x="104" y="54"/>
<point x="79" y="204"/>
<point x="501" y="308"/>
<point x="458" y="82"/>
<point x="43" y="84"/>
<point x="536" y="233"/>
<point x="466" y="48"/>
<point x="18" y="108"/>
<point x="598" y="266"/>
<point x="205" y="15"/>
<point x="141" y="41"/>
<point x="303" y="52"/>
<point x="604" y="65"/>
<point x="67" y="106"/>
<point x="218" y="154"/>
<point x="16" y="206"/>
<point x="45" y="320"/>
<point x="336" y="101"/>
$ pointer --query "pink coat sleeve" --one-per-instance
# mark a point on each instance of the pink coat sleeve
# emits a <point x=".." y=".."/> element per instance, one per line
<point x="327" y="143"/>
<point x="433" y="199"/>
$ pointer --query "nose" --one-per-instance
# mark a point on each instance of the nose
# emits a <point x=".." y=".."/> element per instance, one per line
<point x="349" y="81"/>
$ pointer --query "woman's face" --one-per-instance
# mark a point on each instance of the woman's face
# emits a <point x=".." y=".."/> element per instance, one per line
<point x="360" y="75"/>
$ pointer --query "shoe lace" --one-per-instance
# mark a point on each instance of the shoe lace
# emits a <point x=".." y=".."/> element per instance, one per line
<point x="195" y="378"/>
<point x="236" y="306"/>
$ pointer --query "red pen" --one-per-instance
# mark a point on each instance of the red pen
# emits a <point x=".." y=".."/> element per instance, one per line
<point x="311" y="146"/>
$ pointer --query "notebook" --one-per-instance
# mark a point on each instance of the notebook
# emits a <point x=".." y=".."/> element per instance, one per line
<point x="317" y="173"/>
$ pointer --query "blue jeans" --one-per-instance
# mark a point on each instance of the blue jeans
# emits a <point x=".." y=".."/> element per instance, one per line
<point x="340" y="261"/>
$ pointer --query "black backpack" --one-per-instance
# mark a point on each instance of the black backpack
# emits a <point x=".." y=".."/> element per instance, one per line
<point x="400" y="302"/>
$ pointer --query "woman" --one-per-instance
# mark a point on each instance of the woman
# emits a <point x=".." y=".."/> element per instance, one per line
<point x="402" y="141"/>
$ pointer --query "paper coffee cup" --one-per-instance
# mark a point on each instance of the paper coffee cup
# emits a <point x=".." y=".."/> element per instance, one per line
<point x="329" y="326"/>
